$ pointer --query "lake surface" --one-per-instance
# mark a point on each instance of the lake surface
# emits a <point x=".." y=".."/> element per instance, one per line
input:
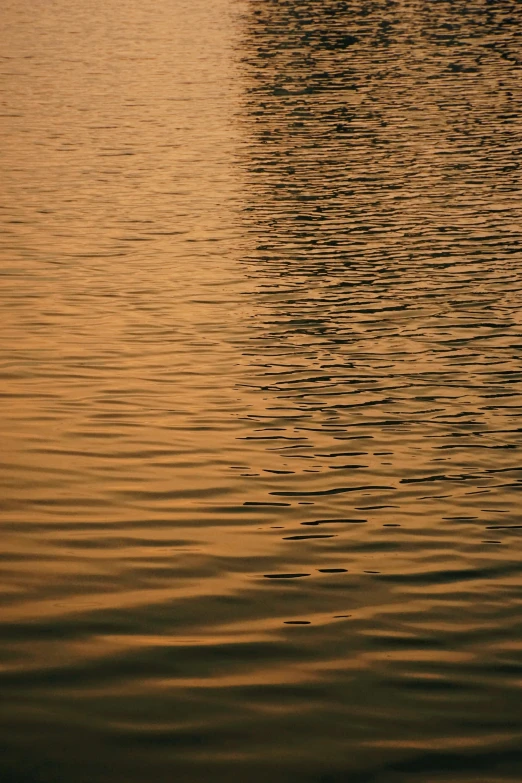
<point x="261" y="294"/>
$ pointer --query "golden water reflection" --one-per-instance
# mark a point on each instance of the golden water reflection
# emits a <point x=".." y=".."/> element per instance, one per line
<point x="260" y="381"/>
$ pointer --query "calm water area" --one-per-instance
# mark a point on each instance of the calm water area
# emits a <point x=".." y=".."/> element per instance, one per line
<point x="260" y="398"/>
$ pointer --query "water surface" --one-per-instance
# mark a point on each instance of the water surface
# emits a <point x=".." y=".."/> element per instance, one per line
<point x="261" y="338"/>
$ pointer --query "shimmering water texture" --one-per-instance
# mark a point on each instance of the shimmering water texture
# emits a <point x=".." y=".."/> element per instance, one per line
<point x="261" y="287"/>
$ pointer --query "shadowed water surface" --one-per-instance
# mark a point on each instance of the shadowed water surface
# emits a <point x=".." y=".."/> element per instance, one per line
<point x="261" y="337"/>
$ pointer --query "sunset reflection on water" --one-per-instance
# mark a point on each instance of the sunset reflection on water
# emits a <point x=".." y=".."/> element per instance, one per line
<point x="260" y="357"/>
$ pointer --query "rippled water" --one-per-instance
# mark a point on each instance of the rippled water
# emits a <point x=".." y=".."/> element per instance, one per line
<point x="261" y="286"/>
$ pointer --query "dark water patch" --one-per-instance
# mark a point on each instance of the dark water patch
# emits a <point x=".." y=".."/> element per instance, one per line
<point x="351" y="521"/>
<point x="284" y="576"/>
<point x="263" y="503"/>
<point x="297" y="622"/>
<point x="332" y="570"/>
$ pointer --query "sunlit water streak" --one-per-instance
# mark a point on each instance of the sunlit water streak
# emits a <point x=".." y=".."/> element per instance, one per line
<point x="260" y="359"/>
